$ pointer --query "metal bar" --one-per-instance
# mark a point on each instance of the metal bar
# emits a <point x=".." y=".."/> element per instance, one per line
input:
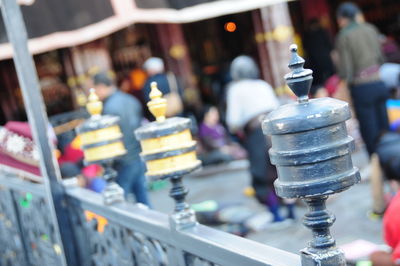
<point x="35" y="109"/>
<point x="20" y="229"/>
<point x="201" y="241"/>
<point x="227" y="250"/>
<point x="11" y="181"/>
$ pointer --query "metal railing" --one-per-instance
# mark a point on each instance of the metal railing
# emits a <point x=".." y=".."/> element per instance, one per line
<point x="27" y="235"/>
<point x="121" y="234"/>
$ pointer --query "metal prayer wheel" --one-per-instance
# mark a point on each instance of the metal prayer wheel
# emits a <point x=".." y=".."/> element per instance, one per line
<point x="101" y="140"/>
<point x="169" y="152"/>
<point x="312" y="153"/>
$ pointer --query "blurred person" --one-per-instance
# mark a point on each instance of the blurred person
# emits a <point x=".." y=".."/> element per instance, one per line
<point x="318" y="46"/>
<point x="215" y="140"/>
<point x="71" y="165"/>
<point x="391" y="49"/>
<point x="248" y="100"/>
<point x="389" y="156"/>
<point x="125" y="85"/>
<point x="130" y="167"/>
<point x="137" y="78"/>
<point x="167" y="83"/>
<point x="360" y="58"/>
<point x="390" y="75"/>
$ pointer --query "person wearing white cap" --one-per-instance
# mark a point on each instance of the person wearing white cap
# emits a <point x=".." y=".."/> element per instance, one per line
<point x="166" y="83"/>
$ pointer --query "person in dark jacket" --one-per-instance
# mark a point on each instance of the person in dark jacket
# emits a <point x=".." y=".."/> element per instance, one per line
<point x="155" y="69"/>
<point x="360" y="57"/>
<point x="130" y="168"/>
<point x="167" y="83"/>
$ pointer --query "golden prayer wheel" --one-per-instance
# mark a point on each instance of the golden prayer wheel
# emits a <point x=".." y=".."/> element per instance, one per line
<point x="101" y="143"/>
<point x="100" y="135"/>
<point x="167" y="145"/>
<point x="169" y="152"/>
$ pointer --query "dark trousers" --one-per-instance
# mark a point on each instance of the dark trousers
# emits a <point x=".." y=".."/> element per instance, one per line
<point x="263" y="173"/>
<point x="131" y="178"/>
<point x="369" y="101"/>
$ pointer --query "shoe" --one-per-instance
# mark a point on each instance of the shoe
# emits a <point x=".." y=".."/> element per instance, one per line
<point x="374" y="216"/>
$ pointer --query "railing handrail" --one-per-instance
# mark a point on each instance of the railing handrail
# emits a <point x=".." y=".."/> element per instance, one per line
<point x="202" y="241"/>
<point x="12" y="181"/>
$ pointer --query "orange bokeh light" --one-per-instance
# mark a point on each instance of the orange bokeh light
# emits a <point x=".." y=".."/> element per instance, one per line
<point x="230" y="26"/>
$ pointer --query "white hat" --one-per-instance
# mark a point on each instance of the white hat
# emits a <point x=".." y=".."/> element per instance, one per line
<point x="154" y="64"/>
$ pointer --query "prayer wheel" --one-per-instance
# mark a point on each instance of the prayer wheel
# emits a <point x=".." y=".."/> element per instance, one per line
<point x="100" y="135"/>
<point x="102" y="143"/>
<point x="312" y="153"/>
<point x="170" y="153"/>
<point x="167" y="145"/>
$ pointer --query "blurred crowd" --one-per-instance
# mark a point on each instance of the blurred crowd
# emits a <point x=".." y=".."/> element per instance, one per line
<point x="361" y="67"/>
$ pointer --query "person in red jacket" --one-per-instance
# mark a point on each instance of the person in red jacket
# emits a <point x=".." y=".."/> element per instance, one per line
<point x="389" y="157"/>
<point x="391" y="228"/>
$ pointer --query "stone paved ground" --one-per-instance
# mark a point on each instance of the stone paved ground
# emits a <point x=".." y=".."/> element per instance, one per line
<point x="350" y="207"/>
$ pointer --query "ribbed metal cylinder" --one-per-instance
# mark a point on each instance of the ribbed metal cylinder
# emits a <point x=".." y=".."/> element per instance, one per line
<point x="311" y="148"/>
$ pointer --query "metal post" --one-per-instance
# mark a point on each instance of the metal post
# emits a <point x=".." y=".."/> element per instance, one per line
<point x="112" y="193"/>
<point x="183" y="216"/>
<point x="38" y="121"/>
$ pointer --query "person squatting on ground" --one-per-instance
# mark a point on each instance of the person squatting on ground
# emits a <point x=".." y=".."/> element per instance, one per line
<point x="216" y="144"/>
<point x="360" y="58"/>
<point x="248" y="100"/>
<point x="130" y="167"/>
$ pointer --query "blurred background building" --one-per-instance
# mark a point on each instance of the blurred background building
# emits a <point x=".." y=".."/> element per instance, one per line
<point x="197" y="39"/>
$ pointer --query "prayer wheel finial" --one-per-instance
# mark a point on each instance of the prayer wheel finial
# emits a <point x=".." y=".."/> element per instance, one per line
<point x="157" y="105"/>
<point x="299" y="79"/>
<point x="94" y="105"/>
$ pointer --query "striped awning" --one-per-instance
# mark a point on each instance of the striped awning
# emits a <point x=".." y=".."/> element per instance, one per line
<point x="54" y="24"/>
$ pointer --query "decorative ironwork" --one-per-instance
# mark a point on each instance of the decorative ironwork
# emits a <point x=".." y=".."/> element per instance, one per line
<point x="27" y="233"/>
<point x="37" y="229"/>
<point x="119" y="246"/>
<point x="112" y="244"/>
<point x="124" y="234"/>
<point x="128" y="234"/>
<point x="11" y="246"/>
<point x="312" y="152"/>
<point x="192" y="260"/>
